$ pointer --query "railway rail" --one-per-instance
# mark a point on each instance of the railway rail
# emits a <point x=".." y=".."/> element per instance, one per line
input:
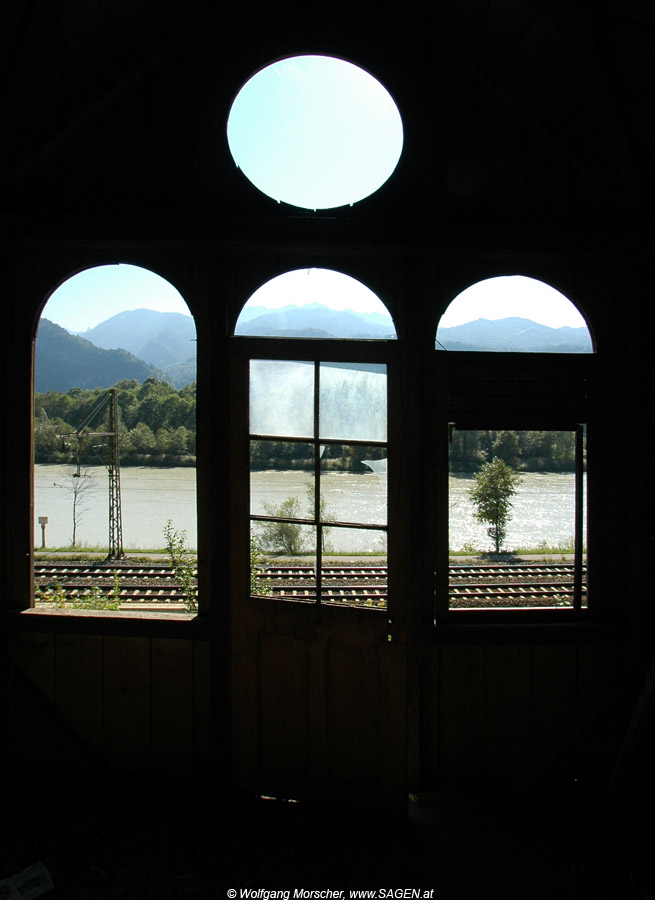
<point x="150" y="586"/>
<point x="153" y="585"/>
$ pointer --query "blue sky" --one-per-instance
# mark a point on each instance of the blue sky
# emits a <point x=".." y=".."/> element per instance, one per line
<point x="303" y="286"/>
<point x="332" y="134"/>
<point x="97" y="294"/>
<point x="512" y="295"/>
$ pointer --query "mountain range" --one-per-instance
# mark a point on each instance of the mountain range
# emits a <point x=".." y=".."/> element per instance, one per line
<point x="65" y="361"/>
<point x="143" y="343"/>
<point x="158" y="338"/>
<point x="138" y="343"/>
<point x="514" y="334"/>
<point x="313" y="320"/>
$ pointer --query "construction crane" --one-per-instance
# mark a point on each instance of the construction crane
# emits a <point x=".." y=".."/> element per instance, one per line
<point x="113" y="466"/>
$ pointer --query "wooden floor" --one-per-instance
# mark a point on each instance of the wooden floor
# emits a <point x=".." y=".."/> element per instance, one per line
<point x="546" y="846"/>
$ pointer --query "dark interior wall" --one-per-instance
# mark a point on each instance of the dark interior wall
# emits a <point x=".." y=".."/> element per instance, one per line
<point x="488" y="711"/>
<point x="514" y="162"/>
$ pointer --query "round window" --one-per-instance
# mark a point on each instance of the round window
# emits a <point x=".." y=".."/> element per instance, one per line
<point x="315" y="132"/>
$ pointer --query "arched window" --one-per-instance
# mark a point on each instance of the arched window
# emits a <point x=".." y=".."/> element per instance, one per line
<point x="516" y="314"/>
<point x="518" y="415"/>
<point x="114" y="433"/>
<point x="315" y="303"/>
<point x="318" y="439"/>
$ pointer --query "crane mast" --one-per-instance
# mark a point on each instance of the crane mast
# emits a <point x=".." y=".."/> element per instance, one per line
<point x="114" y="470"/>
<point x="113" y="467"/>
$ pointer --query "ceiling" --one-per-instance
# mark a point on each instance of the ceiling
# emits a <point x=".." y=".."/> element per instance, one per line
<point x="508" y="105"/>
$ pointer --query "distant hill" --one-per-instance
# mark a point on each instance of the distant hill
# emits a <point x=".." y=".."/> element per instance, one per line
<point x="64" y="361"/>
<point x="143" y="343"/>
<point x="514" y="334"/>
<point x="314" y="320"/>
<point x="163" y="339"/>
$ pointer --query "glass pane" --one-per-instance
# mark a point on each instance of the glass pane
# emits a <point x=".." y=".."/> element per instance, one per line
<point x="354" y="571"/>
<point x="282" y="479"/>
<point x="513" y="313"/>
<point x="512" y="521"/>
<point x="316" y="303"/>
<point x="353" y="401"/>
<point x="316" y="132"/>
<point x="282" y="398"/>
<point x="353" y="543"/>
<point x="354" y="484"/>
<point x="278" y="573"/>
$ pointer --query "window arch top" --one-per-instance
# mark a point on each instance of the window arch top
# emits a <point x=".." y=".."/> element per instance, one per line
<point x="316" y="132"/>
<point x="98" y="293"/>
<point x="315" y="303"/>
<point x="513" y="313"/>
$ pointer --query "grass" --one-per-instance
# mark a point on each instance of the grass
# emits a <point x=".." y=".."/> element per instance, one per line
<point x="541" y="549"/>
<point x="87" y="552"/>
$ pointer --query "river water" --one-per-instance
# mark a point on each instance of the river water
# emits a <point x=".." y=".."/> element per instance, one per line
<point x="149" y="498"/>
<point x="543" y="506"/>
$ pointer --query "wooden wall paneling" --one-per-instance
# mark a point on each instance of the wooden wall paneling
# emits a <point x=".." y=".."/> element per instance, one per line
<point x="602" y="720"/>
<point x="203" y="709"/>
<point x="553" y="685"/>
<point x="353" y="712"/>
<point x="508" y="710"/>
<point x="284" y="710"/>
<point x="244" y="701"/>
<point x="127" y="703"/>
<point x="34" y="657"/>
<point x="462" y="725"/>
<point x="79" y="686"/>
<point x="553" y="703"/>
<point x="171" y="673"/>
<point x="393" y="716"/>
<point x="598" y="669"/>
<point x="430" y="717"/>
<point x="318" y="700"/>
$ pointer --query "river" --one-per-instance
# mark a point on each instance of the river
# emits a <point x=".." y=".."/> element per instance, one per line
<point x="543" y="506"/>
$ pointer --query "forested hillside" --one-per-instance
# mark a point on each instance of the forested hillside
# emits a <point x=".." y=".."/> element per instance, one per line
<point x="65" y="361"/>
<point x="164" y="339"/>
<point x="157" y="424"/>
<point x="158" y="428"/>
<point x="528" y="451"/>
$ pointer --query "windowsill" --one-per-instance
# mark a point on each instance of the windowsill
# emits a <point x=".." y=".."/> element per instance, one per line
<point x="107" y="622"/>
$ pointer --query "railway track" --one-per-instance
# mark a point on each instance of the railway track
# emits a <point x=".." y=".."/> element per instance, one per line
<point x="512" y="585"/>
<point x="154" y="585"/>
<point x="151" y="586"/>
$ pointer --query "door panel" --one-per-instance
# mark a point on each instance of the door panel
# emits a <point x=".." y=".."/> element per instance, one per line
<point x="319" y="690"/>
<point x="319" y="704"/>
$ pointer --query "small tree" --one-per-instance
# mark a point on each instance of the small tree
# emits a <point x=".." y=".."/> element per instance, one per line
<point x="283" y="537"/>
<point x="80" y="483"/>
<point x="495" y="485"/>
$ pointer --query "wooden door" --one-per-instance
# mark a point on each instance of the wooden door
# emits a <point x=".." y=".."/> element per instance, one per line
<point x="319" y="684"/>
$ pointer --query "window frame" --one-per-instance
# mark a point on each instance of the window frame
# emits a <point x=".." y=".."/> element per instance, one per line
<point x="322" y="350"/>
<point x="480" y="390"/>
<point x="579" y="431"/>
<point x="187" y="623"/>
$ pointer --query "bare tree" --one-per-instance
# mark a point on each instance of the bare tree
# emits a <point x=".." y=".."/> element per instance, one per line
<point x="81" y="482"/>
